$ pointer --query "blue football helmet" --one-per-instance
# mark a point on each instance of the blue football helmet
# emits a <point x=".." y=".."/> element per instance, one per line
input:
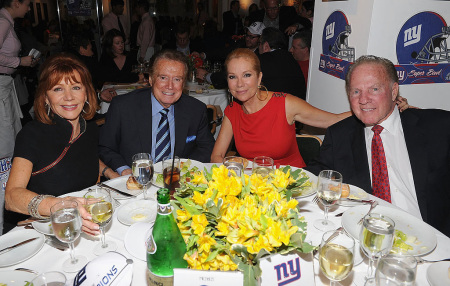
<point x="423" y="39"/>
<point x="335" y="37"/>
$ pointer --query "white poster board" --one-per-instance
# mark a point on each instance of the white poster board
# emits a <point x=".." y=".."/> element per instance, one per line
<point x="376" y="27"/>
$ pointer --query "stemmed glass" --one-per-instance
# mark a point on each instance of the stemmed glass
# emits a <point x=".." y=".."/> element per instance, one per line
<point x="376" y="238"/>
<point x="53" y="278"/>
<point x="99" y="205"/>
<point x="336" y="255"/>
<point x="329" y="188"/>
<point x="66" y="224"/>
<point x="142" y="171"/>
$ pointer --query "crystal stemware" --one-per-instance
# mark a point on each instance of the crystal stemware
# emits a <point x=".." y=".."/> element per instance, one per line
<point x="142" y="170"/>
<point x="329" y="188"/>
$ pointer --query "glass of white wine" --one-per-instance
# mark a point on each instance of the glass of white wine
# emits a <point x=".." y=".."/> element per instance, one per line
<point x="336" y="255"/>
<point x="262" y="165"/>
<point x="376" y="238"/>
<point x="66" y="224"/>
<point x="142" y="171"/>
<point x="99" y="205"/>
<point x="329" y="189"/>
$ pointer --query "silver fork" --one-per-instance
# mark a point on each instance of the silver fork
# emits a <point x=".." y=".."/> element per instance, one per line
<point x="420" y="260"/>
<point x="372" y="206"/>
<point x="315" y="199"/>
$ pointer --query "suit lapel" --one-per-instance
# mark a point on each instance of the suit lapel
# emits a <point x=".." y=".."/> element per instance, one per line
<point x="360" y="158"/>
<point x="144" y="122"/>
<point x="181" y="126"/>
<point x="415" y="143"/>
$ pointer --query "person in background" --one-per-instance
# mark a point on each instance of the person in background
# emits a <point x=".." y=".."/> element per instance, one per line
<point x="232" y="22"/>
<point x="252" y="8"/>
<point x="301" y="45"/>
<point x="10" y="112"/>
<point x="182" y="42"/>
<point x="138" y="121"/>
<point x="402" y="158"/>
<point x="115" y="65"/>
<point x="116" y="20"/>
<point x="307" y="10"/>
<point x="57" y="153"/>
<point x="146" y="32"/>
<point x="280" y="71"/>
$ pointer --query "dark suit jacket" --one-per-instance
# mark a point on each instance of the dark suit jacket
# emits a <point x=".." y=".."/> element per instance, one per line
<point x="128" y="129"/>
<point x="427" y="136"/>
<point x="281" y="72"/>
<point x="287" y="17"/>
<point x="229" y="24"/>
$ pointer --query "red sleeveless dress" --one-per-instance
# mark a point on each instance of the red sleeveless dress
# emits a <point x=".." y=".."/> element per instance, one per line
<point x="265" y="133"/>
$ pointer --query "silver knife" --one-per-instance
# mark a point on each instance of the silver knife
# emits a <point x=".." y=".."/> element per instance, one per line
<point x="360" y="201"/>
<point x="4" y="250"/>
<point x="115" y="190"/>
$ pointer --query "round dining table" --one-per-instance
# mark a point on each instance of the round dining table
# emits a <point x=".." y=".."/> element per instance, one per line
<point x="50" y="259"/>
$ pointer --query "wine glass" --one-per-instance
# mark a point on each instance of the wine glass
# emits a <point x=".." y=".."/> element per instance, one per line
<point x="376" y="238"/>
<point x="336" y="255"/>
<point x="329" y="188"/>
<point x="99" y="205"/>
<point x="398" y="268"/>
<point x="66" y="224"/>
<point x="52" y="278"/>
<point x="142" y="170"/>
<point x="262" y="165"/>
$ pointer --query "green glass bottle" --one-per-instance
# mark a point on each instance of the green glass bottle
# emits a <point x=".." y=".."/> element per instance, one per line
<point x="165" y="246"/>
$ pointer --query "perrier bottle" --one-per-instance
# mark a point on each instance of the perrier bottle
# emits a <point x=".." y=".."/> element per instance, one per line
<point x="165" y="246"/>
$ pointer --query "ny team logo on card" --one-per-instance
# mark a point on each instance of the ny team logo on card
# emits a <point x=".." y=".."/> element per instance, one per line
<point x="422" y="49"/>
<point x="336" y="55"/>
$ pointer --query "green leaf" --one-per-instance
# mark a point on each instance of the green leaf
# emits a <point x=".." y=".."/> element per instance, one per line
<point x="212" y="255"/>
<point x="249" y="274"/>
<point x="189" y="206"/>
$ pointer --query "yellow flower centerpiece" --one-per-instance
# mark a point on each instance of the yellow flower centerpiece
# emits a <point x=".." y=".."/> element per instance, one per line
<point x="231" y="222"/>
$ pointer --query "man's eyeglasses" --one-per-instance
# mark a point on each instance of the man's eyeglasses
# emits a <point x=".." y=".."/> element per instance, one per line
<point x="251" y="37"/>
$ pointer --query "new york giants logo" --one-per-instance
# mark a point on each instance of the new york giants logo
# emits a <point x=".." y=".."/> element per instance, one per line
<point x="412" y="35"/>
<point x="330" y="30"/>
<point x="283" y="276"/>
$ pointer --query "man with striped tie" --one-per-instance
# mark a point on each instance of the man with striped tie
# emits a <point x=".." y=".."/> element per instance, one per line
<point x="159" y="120"/>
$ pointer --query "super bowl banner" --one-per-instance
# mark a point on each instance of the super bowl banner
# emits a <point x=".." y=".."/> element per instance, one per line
<point x="336" y="55"/>
<point x="422" y="50"/>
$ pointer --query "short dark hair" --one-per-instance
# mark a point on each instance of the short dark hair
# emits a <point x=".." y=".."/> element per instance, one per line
<point x="55" y="68"/>
<point x="80" y="41"/>
<point x="309" y="6"/>
<point x="388" y="66"/>
<point x="181" y="28"/>
<point x="144" y="4"/>
<point x="117" y="3"/>
<point x="7" y="3"/>
<point x="172" y="55"/>
<point x="234" y="2"/>
<point x="305" y="35"/>
<point x="274" y="37"/>
<point x="108" y="41"/>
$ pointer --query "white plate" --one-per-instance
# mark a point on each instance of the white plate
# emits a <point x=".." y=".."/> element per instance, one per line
<point x="135" y="240"/>
<point x="437" y="273"/>
<point x="311" y="191"/>
<point x="355" y="193"/>
<point x="137" y="211"/>
<point x="15" y="277"/>
<point x="410" y="225"/>
<point x="158" y="170"/>
<point x="22" y="252"/>
<point x="120" y="183"/>
<point x="43" y="227"/>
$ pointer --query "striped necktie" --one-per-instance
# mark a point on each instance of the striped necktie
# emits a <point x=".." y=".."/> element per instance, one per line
<point x="380" y="177"/>
<point x="162" y="148"/>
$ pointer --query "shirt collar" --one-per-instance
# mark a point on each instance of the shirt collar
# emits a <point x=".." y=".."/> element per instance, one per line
<point x="157" y="107"/>
<point x="391" y="123"/>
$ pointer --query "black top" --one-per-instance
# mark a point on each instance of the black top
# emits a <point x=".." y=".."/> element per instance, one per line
<point x="42" y="144"/>
<point x="109" y="72"/>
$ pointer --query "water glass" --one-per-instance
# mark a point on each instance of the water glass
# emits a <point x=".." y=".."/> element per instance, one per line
<point x="52" y="278"/>
<point x="142" y="170"/>
<point x="397" y="268"/>
<point x="380" y="282"/>
<point x="234" y="164"/>
<point x="376" y="238"/>
<point x="262" y="165"/>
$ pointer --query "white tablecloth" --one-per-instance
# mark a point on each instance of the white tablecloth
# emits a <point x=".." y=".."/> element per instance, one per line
<point x="51" y="259"/>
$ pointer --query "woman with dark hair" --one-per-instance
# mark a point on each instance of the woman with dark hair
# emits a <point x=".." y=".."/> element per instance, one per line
<point x="57" y="153"/>
<point x="115" y="65"/>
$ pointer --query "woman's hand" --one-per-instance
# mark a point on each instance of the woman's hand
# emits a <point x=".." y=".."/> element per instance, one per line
<point x="88" y="226"/>
<point x="26" y="61"/>
<point x="402" y="103"/>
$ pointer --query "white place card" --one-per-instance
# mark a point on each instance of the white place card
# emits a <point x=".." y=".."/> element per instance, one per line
<point x="188" y="277"/>
<point x="291" y="269"/>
